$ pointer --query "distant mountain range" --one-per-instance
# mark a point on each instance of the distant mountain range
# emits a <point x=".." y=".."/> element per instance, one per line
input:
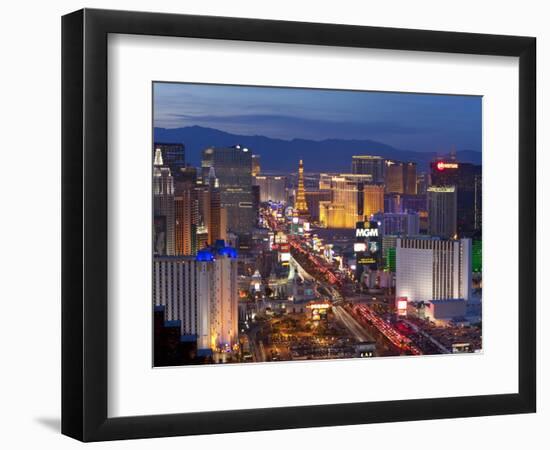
<point x="329" y="155"/>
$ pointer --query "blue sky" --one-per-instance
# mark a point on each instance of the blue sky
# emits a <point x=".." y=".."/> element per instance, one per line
<point x="419" y="122"/>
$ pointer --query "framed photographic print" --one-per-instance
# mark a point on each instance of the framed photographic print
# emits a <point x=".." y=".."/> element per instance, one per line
<point x="273" y="224"/>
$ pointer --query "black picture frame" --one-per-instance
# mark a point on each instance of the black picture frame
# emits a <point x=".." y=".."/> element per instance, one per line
<point x="84" y="224"/>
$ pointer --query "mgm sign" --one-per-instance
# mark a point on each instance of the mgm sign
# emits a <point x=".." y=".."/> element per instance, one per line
<point x="366" y="232"/>
<point x="367" y="246"/>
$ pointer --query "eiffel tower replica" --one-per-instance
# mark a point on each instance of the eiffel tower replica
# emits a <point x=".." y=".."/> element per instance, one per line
<point x="300" y="205"/>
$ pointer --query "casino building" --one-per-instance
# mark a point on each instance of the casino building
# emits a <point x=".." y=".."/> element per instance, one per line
<point x="433" y="269"/>
<point x="353" y="198"/>
<point x="200" y="293"/>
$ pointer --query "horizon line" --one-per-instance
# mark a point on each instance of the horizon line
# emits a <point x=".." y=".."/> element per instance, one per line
<point x="313" y="140"/>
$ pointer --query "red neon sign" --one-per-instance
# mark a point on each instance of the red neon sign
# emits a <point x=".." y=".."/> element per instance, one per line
<point x="443" y="165"/>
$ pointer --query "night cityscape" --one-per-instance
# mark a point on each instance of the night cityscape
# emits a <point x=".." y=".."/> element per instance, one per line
<point x="292" y="224"/>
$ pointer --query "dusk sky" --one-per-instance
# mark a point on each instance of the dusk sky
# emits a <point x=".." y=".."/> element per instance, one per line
<point x="419" y="122"/>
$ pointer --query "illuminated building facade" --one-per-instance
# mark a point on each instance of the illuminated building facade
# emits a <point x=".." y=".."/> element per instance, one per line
<point x="353" y="199"/>
<point x="373" y="199"/>
<point x="200" y="293"/>
<point x="400" y="177"/>
<point x="212" y="215"/>
<point x="367" y="247"/>
<point x="325" y="180"/>
<point x="409" y="178"/>
<point x="442" y="211"/>
<point x="175" y="287"/>
<point x="466" y="178"/>
<point x="202" y="237"/>
<point x="186" y="221"/>
<point x="433" y="269"/>
<point x="218" y="287"/>
<point x="394" y="177"/>
<point x="369" y="165"/>
<point x="389" y="259"/>
<point x="233" y="169"/>
<point x="256" y="167"/>
<point x="217" y="225"/>
<point x="272" y="188"/>
<point x="314" y="199"/>
<point x="476" y="255"/>
<point x="173" y="155"/>
<point x="332" y="215"/>
<point x="300" y="205"/>
<point x="163" y="208"/>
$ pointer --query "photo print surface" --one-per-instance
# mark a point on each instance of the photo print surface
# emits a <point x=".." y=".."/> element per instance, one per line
<point x="295" y="224"/>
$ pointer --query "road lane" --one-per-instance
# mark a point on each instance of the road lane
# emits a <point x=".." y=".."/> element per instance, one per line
<point x="351" y="324"/>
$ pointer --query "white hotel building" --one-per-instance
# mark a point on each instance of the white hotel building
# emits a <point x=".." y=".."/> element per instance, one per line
<point x="202" y="295"/>
<point x="433" y="269"/>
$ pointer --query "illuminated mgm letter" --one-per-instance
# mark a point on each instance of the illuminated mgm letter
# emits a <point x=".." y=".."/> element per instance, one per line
<point x="366" y="232"/>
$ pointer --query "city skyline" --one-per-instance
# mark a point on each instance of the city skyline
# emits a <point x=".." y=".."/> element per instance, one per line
<point x="408" y="121"/>
<point x="256" y="258"/>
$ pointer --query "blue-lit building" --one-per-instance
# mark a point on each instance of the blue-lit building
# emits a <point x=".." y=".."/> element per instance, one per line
<point x="201" y="293"/>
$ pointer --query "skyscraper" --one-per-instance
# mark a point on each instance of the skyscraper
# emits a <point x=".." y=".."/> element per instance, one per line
<point x="175" y="288"/>
<point x="233" y="169"/>
<point x="186" y="211"/>
<point x="442" y="211"/>
<point x="369" y="165"/>
<point x="212" y="216"/>
<point x="173" y="155"/>
<point x="466" y="178"/>
<point x="400" y="177"/>
<point x="394" y="177"/>
<point x="272" y="188"/>
<point x="353" y="199"/>
<point x="186" y="223"/>
<point x="433" y="269"/>
<point x="163" y="208"/>
<point x="373" y="199"/>
<point x="300" y="204"/>
<point x="256" y="167"/>
<point x="314" y="199"/>
<point x="217" y="283"/>
<point x="201" y="293"/>
<point x="202" y="236"/>
<point x="409" y="178"/>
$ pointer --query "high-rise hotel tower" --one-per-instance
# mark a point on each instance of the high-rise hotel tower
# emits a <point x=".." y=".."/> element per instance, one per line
<point x="369" y="165"/>
<point x="353" y="199"/>
<point x="433" y="269"/>
<point x="163" y="208"/>
<point x="201" y="293"/>
<point x="233" y="168"/>
<point x="442" y="211"/>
